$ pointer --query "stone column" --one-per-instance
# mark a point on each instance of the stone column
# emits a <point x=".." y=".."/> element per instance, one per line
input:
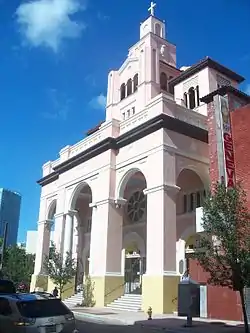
<point x="68" y="234"/>
<point x="105" y="252"/>
<point x="59" y="231"/>
<point x="188" y="100"/>
<point x="161" y="279"/>
<point x="39" y="279"/>
<point x="75" y="238"/>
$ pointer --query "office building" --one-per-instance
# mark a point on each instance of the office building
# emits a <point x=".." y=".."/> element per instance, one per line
<point x="10" y="204"/>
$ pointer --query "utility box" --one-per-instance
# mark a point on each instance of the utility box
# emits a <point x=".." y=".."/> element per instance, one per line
<point x="188" y="298"/>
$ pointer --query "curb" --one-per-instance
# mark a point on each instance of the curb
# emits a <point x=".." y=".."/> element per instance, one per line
<point x="97" y="319"/>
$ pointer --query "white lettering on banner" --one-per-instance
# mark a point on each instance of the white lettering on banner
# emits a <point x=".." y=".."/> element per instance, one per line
<point x="227" y="143"/>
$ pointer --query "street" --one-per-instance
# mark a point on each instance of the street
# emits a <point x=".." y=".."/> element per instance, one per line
<point x="88" y="327"/>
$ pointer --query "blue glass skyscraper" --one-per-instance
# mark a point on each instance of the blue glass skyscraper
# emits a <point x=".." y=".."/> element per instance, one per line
<point x="10" y="204"/>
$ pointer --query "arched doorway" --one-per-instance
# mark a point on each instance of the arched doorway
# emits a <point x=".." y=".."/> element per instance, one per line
<point x="51" y="222"/>
<point x="191" y="196"/>
<point x="134" y="231"/>
<point x="82" y="230"/>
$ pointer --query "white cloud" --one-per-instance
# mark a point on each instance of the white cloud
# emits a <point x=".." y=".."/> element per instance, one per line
<point x="247" y="90"/>
<point x="99" y="102"/>
<point x="49" y="22"/>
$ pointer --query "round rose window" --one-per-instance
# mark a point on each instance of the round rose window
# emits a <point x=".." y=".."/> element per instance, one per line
<point x="136" y="206"/>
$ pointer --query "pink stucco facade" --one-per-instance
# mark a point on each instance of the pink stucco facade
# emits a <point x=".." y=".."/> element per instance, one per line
<point x="156" y="136"/>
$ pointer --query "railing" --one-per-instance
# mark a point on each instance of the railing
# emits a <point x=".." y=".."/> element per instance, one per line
<point x="116" y="288"/>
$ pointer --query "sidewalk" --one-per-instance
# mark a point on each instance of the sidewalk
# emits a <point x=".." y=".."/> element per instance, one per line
<point x="169" y="323"/>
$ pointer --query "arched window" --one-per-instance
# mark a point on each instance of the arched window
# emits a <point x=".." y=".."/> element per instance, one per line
<point x="158" y="29"/>
<point x="198" y="95"/>
<point x="135" y="82"/>
<point x="170" y="88"/>
<point x="129" y="87"/>
<point x="164" y="81"/>
<point x="185" y="100"/>
<point x="191" y="93"/>
<point x="123" y="91"/>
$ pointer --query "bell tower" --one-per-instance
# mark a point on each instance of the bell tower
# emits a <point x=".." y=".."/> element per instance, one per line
<point x="152" y="24"/>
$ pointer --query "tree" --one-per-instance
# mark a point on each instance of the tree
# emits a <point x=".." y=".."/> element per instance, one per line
<point x="88" y="292"/>
<point x="225" y="245"/>
<point x="18" y="265"/>
<point x="60" y="270"/>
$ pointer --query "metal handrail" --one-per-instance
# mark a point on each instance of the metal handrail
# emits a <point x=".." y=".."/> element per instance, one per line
<point x="110" y="292"/>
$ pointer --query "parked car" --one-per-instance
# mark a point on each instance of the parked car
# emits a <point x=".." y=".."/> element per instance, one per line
<point x="43" y="293"/>
<point x="34" y="313"/>
<point x="7" y="286"/>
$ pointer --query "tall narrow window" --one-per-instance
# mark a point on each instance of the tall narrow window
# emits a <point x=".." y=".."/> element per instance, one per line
<point x="170" y="87"/>
<point x="191" y="93"/>
<point x="185" y="203"/>
<point x="185" y="100"/>
<point x="164" y="81"/>
<point x="198" y="95"/>
<point x="158" y="29"/>
<point x="129" y="87"/>
<point x="123" y="91"/>
<point x="135" y="82"/>
<point x="198" y="199"/>
<point x="191" y="202"/>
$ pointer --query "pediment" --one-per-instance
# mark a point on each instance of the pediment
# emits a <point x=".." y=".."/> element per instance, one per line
<point x="128" y="62"/>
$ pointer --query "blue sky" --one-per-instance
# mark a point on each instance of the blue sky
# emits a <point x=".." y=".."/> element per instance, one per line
<point x="54" y="60"/>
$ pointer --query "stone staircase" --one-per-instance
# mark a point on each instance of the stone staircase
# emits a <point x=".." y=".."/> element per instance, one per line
<point x="74" y="300"/>
<point x="127" y="302"/>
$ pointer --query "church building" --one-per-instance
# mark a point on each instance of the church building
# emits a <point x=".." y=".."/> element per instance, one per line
<point x="126" y="201"/>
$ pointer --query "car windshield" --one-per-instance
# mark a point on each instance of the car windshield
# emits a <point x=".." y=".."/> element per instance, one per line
<point x="42" y="308"/>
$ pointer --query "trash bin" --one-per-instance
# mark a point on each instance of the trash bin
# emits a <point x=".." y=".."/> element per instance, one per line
<point x="188" y="298"/>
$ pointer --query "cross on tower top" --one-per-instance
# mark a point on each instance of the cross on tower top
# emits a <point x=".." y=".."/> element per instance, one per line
<point x="152" y="8"/>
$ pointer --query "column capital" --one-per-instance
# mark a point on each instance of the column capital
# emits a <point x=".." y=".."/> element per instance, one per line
<point x="72" y="212"/>
<point x="57" y="215"/>
<point x="172" y="189"/>
<point x="102" y="202"/>
<point x="120" y="202"/>
<point x="47" y="223"/>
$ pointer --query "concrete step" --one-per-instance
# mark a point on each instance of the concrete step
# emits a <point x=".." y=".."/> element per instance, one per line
<point x="127" y="302"/>
<point x="132" y="297"/>
<point x="123" y="307"/>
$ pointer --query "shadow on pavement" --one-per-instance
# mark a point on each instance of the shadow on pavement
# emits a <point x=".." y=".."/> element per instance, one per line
<point x="178" y="325"/>
<point x="161" y="325"/>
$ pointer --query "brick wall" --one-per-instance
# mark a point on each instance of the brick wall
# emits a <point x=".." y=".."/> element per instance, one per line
<point x="223" y="303"/>
<point x="240" y="122"/>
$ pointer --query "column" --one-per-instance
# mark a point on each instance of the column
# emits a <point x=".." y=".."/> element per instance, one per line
<point x="196" y="97"/>
<point x="43" y="244"/>
<point x="105" y="252"/>
<point x="161" y="280"/>
<point x="68" y="234"/>
<point x="59" y="231"/>
<point x="188" y="100"/>
<point x="75" y="238"/>
<point x="39" y="279"/>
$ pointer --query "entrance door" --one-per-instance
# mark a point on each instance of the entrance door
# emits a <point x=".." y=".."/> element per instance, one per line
<point x="134" y="269"/>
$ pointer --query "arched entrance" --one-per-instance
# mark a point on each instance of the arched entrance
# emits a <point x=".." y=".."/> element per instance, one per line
<point x="82" y="230"/>
<point x="191" y="196"/>
<point x="134" y="231"/>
